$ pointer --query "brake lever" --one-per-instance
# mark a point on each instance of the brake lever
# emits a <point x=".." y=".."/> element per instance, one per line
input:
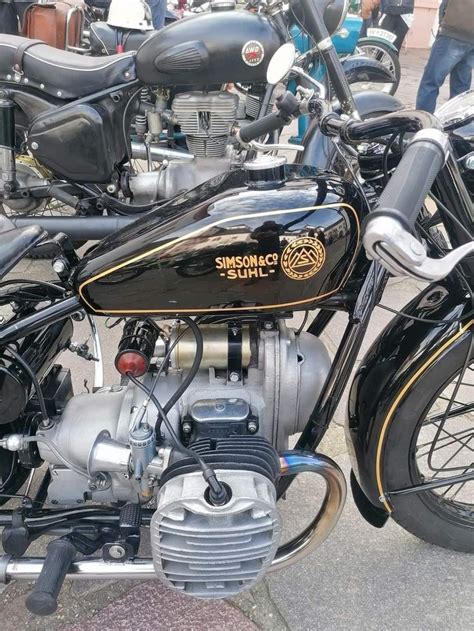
<point x="386" y="241"/>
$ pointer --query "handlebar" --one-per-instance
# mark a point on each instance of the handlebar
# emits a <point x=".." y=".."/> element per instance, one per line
<point x="413" y="178"/>
<point x="387" y="231"/>
<point x="287" y="105"/>
<point x="261" y="127"/>
<point x="355" y="132"/>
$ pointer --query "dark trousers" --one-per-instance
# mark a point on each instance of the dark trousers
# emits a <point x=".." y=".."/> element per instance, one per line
<point x="451" y="57"/>
<point x="158" y="11"/>
<point x="396" y="25"/>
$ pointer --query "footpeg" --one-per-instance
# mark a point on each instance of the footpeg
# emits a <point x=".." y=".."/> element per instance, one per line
<point x="43" y="599"/>
<point x="127" y="546"/>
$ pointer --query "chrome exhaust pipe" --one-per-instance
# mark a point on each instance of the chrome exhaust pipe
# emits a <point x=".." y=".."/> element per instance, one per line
<point x="157" y="153"/>
<point x="292" y="463"/>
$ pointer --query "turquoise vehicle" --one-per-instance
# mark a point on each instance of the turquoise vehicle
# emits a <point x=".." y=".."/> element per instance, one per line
<point x="361" y="75"/>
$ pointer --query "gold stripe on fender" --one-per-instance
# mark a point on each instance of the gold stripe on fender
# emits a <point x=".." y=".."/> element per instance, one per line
<point x="195" y="233"/>
<point x="397" y="401"/>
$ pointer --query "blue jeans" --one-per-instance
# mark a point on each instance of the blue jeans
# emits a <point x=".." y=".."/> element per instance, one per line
<point x="448" y="56"/>
<point x="158" y="11"/>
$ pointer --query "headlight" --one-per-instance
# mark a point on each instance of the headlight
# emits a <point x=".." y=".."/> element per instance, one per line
<point x="457" y="110"/>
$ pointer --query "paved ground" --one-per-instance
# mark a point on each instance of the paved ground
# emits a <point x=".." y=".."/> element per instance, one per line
<point x="361" y="578"/>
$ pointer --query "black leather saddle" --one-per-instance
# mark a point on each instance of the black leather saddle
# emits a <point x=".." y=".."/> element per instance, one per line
<point x="16" y="242"/>
<point x="60" y="73"/>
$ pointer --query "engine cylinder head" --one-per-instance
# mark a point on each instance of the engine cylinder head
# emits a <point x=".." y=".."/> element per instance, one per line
<point x="199" y="548"/>
<point x="206" y="120"/>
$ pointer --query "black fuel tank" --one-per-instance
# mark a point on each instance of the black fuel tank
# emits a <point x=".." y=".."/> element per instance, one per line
<point x="223" y="247"/>
<point x="211" y="48"/>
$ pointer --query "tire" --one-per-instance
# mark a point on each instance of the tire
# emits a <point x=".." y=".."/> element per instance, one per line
<point x="386" y="55"/>
<point x="444" y="516"/>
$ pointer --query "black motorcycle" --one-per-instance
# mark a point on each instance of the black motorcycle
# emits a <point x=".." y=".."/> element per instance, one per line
<point x="111" y="137"/>
<point x="201" y="418"/>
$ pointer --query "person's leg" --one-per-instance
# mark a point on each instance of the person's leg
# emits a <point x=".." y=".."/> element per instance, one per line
<point x="387" y="22"/>
<point x="461" y="75"/>
<point x="444" y="56"/>
<point x="158" y="10"/>
<point x="367" y="23"/>
<point x="375" y="16"/>
<point x="396" y="25"/>
<point x="400" y="30"/>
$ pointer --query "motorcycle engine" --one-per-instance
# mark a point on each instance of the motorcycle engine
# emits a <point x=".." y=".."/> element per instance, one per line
<point x="256" y="385"/>
<point x="206" y="120"/>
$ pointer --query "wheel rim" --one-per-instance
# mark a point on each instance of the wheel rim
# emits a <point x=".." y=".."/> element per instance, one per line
<point x="379" y="54"/>
<point x="445" y="444"/>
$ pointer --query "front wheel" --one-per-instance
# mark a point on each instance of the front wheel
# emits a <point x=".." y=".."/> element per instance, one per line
<point x="430" y="437"/>
<point x="385" y="54"/>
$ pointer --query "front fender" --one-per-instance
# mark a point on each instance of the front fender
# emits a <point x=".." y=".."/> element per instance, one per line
<point x="402" y="352"/>
<point x="379" y="40"/>
<point x="360" y="68"/>
<point x="319" y="149"/>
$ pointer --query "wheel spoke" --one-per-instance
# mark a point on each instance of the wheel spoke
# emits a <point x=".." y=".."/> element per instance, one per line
<point x="445" y="444"/>
<point x="462" y="408"/>
<point x="454" y="439"/>
<point x="460" y="486"/>
<point x="443" y="468"/>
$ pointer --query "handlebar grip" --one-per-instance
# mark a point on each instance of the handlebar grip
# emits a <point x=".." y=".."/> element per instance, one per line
<point x="261" y="127"/>
<point x="43" y="599"/>
<point x="404" y="194"/>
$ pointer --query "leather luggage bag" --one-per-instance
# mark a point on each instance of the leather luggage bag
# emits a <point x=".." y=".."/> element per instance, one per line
<point x="58" y="24"/>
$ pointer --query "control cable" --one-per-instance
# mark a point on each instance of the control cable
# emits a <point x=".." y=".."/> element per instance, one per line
<point x="217" y="492"/>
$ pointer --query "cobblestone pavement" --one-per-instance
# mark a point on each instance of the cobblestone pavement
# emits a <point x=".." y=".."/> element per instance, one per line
<point x="361" y="578"/>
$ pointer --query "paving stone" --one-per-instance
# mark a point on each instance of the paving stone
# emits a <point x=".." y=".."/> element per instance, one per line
<point x="150" y="606"/>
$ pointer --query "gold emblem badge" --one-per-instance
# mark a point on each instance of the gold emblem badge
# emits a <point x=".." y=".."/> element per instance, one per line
<point x="303" y="258"/>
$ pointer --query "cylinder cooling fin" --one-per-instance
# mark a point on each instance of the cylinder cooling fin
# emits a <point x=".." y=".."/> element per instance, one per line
<point x="211" y="551"/>
<point x="206" y="120"/>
